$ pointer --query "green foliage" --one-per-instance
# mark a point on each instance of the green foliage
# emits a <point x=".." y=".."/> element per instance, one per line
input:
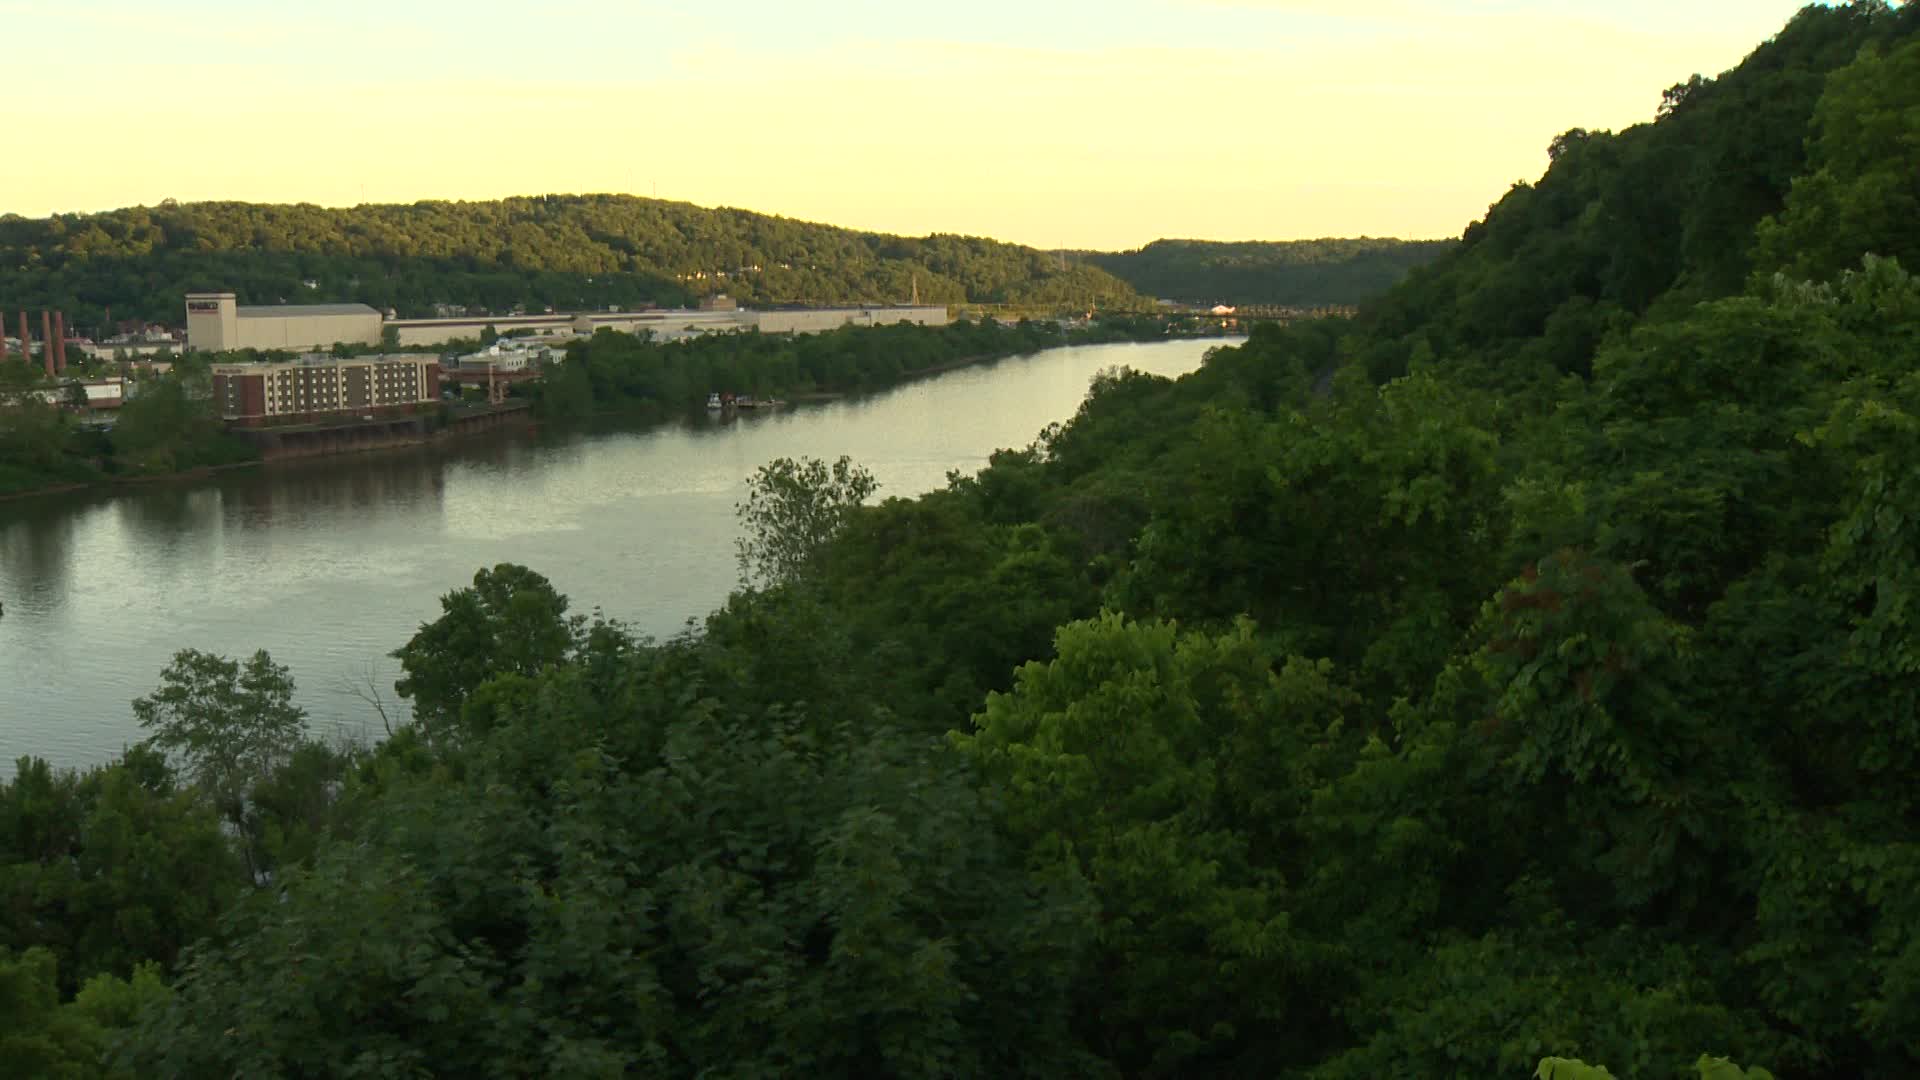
<point x="631" y="876"/>
<point x="229" y="724"/>
<point x="1523" y="675"/>
<point x="1862" y="196"/>
<point x="1646" y="220"/>
<point x="109" y="869"/>
<point x="568" y="252"/>
<point x="1555" y="1068"/>
<point x="1157" y="765"/>
<point x="38" y="1037"/>
<point x="166" y="427"/>
<point x="793" y="509"/>
<point x="1708" y="1068"/>
<point x="509" y="621"/>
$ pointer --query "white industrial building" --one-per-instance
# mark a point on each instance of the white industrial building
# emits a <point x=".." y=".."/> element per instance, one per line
<point x="216" y="323"/>
<point x="818" y="320"/>
<point x="507" y="356"/>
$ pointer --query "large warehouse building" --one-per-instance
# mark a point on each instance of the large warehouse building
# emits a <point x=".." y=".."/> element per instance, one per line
<point x="216" y="323"/>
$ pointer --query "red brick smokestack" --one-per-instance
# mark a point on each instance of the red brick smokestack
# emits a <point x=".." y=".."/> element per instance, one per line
<point x="46" y="341"/>
<point x="60" y="342"/>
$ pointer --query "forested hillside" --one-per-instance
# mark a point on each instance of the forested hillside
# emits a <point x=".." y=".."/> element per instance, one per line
<point x="1526" y="672"/>
<point x="563" y="251"/>
<point x="1293" y="273"/>
<point x="1658" y="217"/>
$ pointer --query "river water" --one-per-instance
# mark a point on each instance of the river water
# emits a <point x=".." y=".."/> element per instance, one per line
<point x="331" y="564"/>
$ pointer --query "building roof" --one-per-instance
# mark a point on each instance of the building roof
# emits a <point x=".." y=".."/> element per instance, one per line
<point x="297" y="311"/>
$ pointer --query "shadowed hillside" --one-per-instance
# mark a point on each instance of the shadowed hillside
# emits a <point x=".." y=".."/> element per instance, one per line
<point x="1293" y="273"/>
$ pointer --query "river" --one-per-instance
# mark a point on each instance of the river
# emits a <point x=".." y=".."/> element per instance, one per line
<point x="331" y="564"/>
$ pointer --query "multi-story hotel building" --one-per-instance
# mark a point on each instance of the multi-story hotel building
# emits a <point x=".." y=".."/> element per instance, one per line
<point x="317" y="387"/>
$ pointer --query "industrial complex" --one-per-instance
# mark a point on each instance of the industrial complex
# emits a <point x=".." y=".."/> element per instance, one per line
<point x="216" y="322"/>
<point x="317" y="401"/>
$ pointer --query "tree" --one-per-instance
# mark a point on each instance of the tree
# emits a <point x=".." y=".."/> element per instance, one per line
<point x="627" y="876"/>
<point x="793" y="508"/>
<point x="37" y="1036"/>
<point x="229" y="725"/>
<point x="1863" y="193"/>
<point x="510" y="620"/>
<point x="1166" y="769"/>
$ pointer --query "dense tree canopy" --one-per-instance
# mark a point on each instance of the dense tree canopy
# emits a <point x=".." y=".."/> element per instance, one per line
<point x="569" y="252"/>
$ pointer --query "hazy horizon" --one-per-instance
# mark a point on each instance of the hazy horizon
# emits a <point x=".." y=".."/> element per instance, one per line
<point x="1081" y="125"/>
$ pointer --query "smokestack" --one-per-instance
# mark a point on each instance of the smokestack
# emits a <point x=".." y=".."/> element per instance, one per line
<point x="60" y="342"/>
<point x="46" y="341"/>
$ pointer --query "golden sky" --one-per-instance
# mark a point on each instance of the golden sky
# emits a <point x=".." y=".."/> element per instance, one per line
<point x="1057" y="123"/>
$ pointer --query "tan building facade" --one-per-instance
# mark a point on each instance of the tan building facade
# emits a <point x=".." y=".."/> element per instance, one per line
<point x="217" y="323"/>
<point x="818" y="320"/>
<point x="321" y="388"/>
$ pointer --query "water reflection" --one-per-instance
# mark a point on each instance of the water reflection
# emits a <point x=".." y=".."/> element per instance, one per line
<point x="357" y="492"/>
<point x="331" y="563"/>
<point x="164" y="515"/>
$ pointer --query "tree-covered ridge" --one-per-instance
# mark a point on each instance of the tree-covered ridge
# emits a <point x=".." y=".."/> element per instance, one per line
<point x="1663" y="215"/>
<point x="1292" y="273"/>
<point x="563" y="251"/>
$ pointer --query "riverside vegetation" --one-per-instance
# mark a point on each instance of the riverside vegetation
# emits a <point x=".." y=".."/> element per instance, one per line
<point x="1539" y="686"/>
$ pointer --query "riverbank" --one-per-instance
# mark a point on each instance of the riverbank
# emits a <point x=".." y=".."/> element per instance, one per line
<point x="654" y="383"/>
<point x="624" y="375"/>
<point x="329" y="562"/>
<point x="127" y="480"/>
<point x="273" y="447"/>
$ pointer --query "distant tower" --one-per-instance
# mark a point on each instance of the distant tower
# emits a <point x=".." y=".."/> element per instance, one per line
<point x="916" y="290"/>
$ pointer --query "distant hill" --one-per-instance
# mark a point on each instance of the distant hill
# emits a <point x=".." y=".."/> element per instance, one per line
<point x="1305" y="273"/>
<point x="566" y="251"/>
